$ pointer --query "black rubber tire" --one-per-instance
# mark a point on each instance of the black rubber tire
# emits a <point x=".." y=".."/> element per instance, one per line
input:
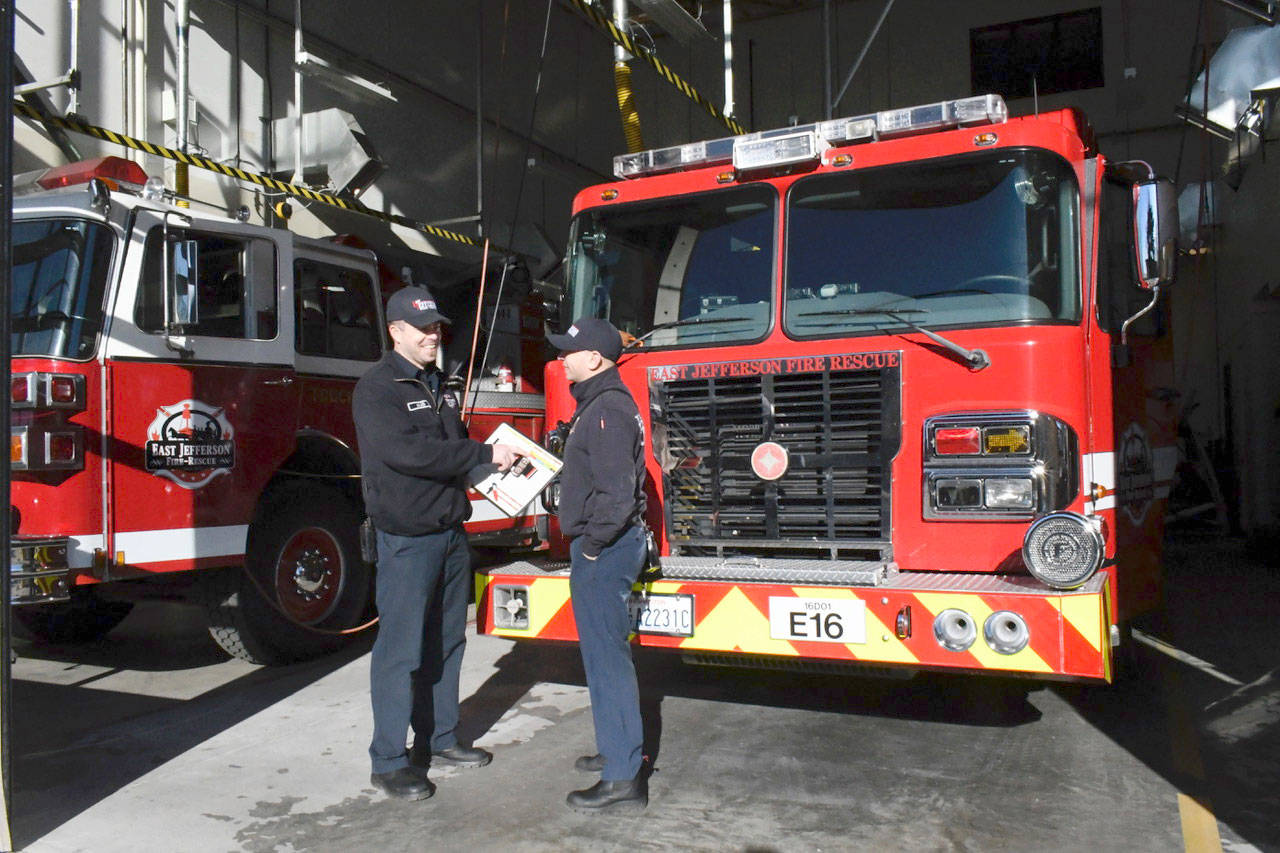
<point x="82" y="619"/>
<point x="248" y="626"/>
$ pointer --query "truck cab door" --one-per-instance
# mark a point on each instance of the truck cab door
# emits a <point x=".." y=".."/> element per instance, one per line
<point x="202" y="402"/>
<point x="1144" y="410"/>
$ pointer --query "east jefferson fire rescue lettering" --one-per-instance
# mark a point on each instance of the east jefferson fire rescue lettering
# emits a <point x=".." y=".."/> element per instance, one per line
<point x="777" y="366"/>
<point x="190" y="443"/>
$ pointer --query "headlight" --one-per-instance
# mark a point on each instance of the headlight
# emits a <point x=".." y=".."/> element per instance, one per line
<point x="1008" y="493"/>
<point x="1063" y="549"/>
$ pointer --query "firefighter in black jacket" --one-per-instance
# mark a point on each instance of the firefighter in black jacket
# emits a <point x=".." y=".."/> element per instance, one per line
<point x="414" y="453"/>
<point x="602" y="506"/>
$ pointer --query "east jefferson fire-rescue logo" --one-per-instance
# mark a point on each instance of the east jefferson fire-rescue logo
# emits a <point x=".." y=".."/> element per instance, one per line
<point x="190" y="443"/>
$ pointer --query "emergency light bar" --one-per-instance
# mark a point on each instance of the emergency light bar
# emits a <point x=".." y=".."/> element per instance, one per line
<point x="806" y="143"/>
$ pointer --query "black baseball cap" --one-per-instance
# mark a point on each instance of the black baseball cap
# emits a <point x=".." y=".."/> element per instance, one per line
<point x="590" y="333"/>
<point x="415" y="306"/>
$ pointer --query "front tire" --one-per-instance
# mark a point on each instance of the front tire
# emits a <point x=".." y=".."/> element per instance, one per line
<point x="304" y="581"/>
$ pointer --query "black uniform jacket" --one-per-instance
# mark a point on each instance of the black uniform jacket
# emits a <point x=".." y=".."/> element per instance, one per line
<point x="602" y="482"/>
<point x="414" y="450"/>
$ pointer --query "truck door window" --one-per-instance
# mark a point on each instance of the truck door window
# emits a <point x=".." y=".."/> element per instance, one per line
<point x="680" y="261"/>
<point x="59" y="279"/>
<point x="977" y="240"/>
<point x="235" y="286"/>
<point x="335" y="310"/>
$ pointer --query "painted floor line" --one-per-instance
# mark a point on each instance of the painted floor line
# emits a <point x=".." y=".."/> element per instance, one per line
<point x="1199" y="826"/>
<point x="1185" y="657"/>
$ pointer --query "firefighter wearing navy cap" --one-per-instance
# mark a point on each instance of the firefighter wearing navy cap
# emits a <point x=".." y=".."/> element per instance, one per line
<point x="602" y="506"/>
<point x="414" y="453"/>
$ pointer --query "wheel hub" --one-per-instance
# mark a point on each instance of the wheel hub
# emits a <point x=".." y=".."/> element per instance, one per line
<point x="310" y="575"/>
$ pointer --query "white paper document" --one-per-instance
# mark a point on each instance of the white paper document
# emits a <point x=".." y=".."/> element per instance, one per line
<point x="514" y="489"/>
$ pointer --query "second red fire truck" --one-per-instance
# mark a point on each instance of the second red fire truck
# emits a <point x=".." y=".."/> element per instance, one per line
<point x="906" y="383"/>
<point x="181" y="407"/>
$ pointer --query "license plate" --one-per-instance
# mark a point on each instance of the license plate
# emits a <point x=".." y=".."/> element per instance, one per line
<point x="819" y="620"/>
<point x="666" y="614"/>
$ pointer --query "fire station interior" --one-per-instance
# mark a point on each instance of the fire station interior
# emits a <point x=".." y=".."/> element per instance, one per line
<point x="450" y="140"/>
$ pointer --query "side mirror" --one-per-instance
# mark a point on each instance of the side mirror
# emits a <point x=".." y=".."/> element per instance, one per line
<point x="181" y="281"/>
<point x="1155" y="231"/>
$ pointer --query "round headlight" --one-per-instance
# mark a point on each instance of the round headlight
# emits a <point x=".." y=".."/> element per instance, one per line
<point x="1063" y="549"/>
<point x="954" y="630"/>
<point x="1006" y="632"/>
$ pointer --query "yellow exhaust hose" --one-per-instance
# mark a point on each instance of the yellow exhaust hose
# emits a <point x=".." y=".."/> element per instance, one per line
<point x="627" y="107"/>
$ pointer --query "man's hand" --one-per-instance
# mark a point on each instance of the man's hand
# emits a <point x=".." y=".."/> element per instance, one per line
<point x="505" y="455"/>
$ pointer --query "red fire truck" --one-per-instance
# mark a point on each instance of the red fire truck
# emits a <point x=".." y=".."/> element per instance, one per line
<point x="907" y="390"/>
<point x="181" y="407"/>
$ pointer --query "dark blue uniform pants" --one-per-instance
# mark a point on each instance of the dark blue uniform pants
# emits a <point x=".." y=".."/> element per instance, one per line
<point x="599" y="590"/>
<point x="422" y="590"/>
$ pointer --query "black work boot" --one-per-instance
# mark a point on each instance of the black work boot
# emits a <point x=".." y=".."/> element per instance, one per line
<point x="625" y="796"/>
<point x="589" y="763"/>
<point x="421" y="758"/>
<point x="404" y="783"/>
<point x="462" y="756"/>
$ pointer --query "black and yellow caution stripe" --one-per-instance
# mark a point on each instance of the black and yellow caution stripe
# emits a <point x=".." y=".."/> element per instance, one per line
<point x="264" y="181"/>
<point x="603" y="22"/>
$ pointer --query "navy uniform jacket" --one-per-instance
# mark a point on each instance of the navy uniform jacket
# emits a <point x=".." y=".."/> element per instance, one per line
<point x="414" y="450"/>
<point x="602" y="482"/>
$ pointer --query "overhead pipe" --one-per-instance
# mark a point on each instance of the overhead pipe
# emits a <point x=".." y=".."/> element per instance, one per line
<point x="183" y="12"/>
<point x="297" y="93"/>
<point x="72" y="78"/>
<point x="826" y="56"/>
<point x="73" y="73"/>
<point x="728" y="58"/>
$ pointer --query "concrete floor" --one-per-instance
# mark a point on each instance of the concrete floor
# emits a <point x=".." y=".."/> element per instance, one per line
<point x="150" y="739"/>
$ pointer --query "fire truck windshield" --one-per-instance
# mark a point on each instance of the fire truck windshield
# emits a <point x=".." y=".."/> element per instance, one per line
<point x="686" y="271"/>
<point x="978" y="240"/>
<point x="60" y="269"/>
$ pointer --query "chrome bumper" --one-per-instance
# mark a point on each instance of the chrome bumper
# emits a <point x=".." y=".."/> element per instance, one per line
<point x="38" y="571"/>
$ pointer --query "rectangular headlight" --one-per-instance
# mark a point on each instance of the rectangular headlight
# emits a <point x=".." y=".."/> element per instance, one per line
<point x="959" y="493"/>
<point x="1009" y="493"/>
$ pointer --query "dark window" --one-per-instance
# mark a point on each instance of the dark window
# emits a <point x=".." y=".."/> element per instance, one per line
<point x="696" y="269"/>
<point x="1060" y="53"/>
<point x="976" y="240"/>
<point x="57" y="284"/>
<point x="336" y="315"/>
<point x="234" y="292"/>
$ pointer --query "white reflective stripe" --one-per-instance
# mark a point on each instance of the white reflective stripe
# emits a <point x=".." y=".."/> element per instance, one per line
<point x="80" y="549"/>
<point x="1165" y="462"/>
<point x="1100" y="468"/>
<point x="1109" y="502"/>
<point x="182" y="543"/>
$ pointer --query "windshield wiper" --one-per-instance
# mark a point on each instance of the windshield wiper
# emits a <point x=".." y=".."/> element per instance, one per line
<point x="687" y="321"/>
<point x="975" y="358"/>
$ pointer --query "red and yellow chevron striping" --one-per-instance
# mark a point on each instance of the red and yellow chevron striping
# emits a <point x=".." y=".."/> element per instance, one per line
<point x="1066" y="632"/>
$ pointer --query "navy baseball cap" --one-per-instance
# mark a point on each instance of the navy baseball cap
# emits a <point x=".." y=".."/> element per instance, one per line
<point x="590" y="333"/>
<point x="415" y="306"/>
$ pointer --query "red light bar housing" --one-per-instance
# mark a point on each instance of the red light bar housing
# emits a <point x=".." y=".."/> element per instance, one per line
<point x="112" y="170"/>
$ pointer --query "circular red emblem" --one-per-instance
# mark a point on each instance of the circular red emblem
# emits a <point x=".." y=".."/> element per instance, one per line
<point x="769" y="460"/>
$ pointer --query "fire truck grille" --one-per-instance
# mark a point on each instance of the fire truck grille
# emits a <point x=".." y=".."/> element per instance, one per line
<point x="840" y="429"/>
